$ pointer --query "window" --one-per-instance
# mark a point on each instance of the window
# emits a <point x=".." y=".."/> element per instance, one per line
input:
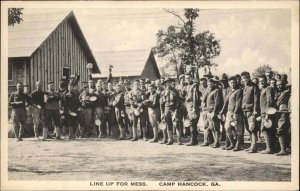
<point x="10" y="72"/>
<point x="66" y="72"/>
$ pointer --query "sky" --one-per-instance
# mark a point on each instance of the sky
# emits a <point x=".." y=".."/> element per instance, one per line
<point x="249" y="38"/>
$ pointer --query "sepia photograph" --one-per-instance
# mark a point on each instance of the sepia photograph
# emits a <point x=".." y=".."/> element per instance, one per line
<point x="135" y="97"/>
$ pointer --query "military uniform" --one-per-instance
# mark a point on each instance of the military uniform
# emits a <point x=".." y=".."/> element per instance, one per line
<point x="232" y="109"/>
<point x="118" y="103"/>
<point x="169" y="102"/>
<point x="192" y="104"/>
<point x="283" y="118"/>
<point x="63" y="121"/>
<point x="136" y="98"/>
<point x="18" y="115"/>
<point x="128" y="113"/>
<point x="99" y="114"/>
<point x="181" y="114"/>
<point x="267" y="99"/>
<point x="214" y="103"/>
<point x="110" y="116"/>
<point x="71" y="104"/>
<point x="154" y="113"/>
<point x="250" y="106"/>
<point x="38" y="111"/>
<point x="52" y="112"/>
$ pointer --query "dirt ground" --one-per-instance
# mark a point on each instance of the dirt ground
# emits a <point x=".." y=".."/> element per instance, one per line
<point x="108" y="159"/>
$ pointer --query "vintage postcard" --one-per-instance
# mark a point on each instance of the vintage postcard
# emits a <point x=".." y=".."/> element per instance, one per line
<point x="150" y="95"/>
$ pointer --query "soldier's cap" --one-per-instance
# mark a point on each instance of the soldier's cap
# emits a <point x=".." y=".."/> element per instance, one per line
<point x="181" y="76"/>
<point x="50" y="82"/>
<point x="224" y="77"/>
<point x="237" y="76"/>
<point x="245" y="73"/>
<point x="216" y="79"/>
<point x="232" y="78"/>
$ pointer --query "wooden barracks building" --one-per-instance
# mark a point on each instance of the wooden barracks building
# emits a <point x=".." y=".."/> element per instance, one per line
<point x="47" y="47"/>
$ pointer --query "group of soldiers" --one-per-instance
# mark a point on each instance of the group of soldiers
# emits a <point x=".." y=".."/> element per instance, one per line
<point x="163" y="108"/>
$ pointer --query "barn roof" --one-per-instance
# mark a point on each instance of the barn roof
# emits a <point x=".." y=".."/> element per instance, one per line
<point x="36" y="27"/>
<point x="125" y="63"/>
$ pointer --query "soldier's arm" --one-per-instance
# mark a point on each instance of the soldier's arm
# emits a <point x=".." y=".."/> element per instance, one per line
<point x="238" y="104"/>
<point x="256" y="100"/>
<point x="11" y="100"/>
<point x="218" y="102"/>
<point x="270" y="94"/>
<point x="225" y="106"/>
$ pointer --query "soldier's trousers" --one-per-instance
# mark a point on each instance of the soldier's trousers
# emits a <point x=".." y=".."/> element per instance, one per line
<point x="18" y="117"/>
<point x="87" y="115"/>
<point x="72" y="124"/>
<point x="142" y="119"/>
<point x="99" y="114"/>
<point x="208" y="137"/>
<point x="169" y="112"/>
<point x="251" y="127"/>
<point x="120" y="121"/>
<point x="214" y="125"/>
<point x="269" y="133"/>
<point x="154" y="118"/>
<point x="38" y="116"/>
<point x="129" y="120"/>
<point x="49" y="116"/>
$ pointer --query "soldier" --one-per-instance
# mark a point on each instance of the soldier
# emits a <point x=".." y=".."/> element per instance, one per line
<point x="72" y="106"/>
<point x="158" y="86"/>
<point x="214" y="103"/>
<point x="182" y="111"/>
<point x="192" y="104"/>
<point x="255" y="81"/>
<point x="267" y="99"/>
<point x="153" y="111"/>
<point x="88" y="107"/>
<point x="269" y="75"/>
<point x="52" y="110"/>
<point x="118" y="103"/>
<point x="62" y="91"/>
<point x="272" y="83"/>
<point x="282" y="98"/>
<point x="225" y="91"/>
<point x="128" y="113"/>
<point x="100" y="104"/>
<point x="250" y="106"/>
<point x="110" y="114"/>
<point x="169" y="107"/>
<point x="238" y="80"/>
<point x="136" y="98"/>
<point x="81" y="114"/>
<point x="17" y="101"/>
<point x="232" y="109"/>
<point x="207" y="131"/>
<point x="143" y="87"/>
<point x="38" y="111"/>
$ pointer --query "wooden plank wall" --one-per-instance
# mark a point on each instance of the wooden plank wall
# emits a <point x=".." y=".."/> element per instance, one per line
<point x="61" y="49"/>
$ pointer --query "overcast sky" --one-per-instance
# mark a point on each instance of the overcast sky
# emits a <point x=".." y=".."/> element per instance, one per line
<point x="248" y="37"/>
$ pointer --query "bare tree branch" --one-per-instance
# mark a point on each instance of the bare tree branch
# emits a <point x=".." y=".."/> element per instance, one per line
<point x="176" y="14"/>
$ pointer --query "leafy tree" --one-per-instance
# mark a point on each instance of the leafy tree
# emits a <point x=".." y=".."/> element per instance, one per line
<point x="185" y="50"/>
<point x="261" y="70"/>
<point x="14" y="16"/>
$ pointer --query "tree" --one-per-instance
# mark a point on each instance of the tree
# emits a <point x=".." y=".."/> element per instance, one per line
<point x="261" y="70"/>
<point x="183" y="49"/>
<point x="14" y="16"/>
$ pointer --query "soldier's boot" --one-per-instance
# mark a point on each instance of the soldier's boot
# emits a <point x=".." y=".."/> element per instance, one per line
<point x="227" y="143"/>
<point x="122" y="133"/>
<point x="45" y="134"/>
<point x="192" y="141"/>
<point x="71" y="133"/>
<point x="20" y="133"/>
<point x="57" y="133"/>
<point x="165" y="139"/>
<point x="170" y="137"/>
<point x="179" y="138"/>
<point x="36" y="133"/>
<point x="253" y="148"/>
<point x="130" y="133"/>
<point x="282" y="147"/>
<point x="145" y="134"/>
<point x="134" y="133"/>
<point x="205" y="142"/>
<point x="216" y="143"/>
<point x="155" y="136"/>
<point x="231" y="142"/>
<point x="238" y="143"/>
<point x="268" y="149"/>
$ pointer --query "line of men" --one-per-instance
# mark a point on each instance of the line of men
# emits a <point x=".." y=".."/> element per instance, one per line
<point x="229" y="107"/>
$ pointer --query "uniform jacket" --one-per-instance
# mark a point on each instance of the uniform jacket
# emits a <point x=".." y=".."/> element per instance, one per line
<point x="84" y="98"/>
<point x="154" y="98"/>
<point x="233" y="102"/>
<point x="71" y="102"/>
<point x="119" y="100"/>
<point x="136" y="97"/>
<point x="267" y="99"/>
<point x="192" y="95"/>
<point x="52" y="100"/>
<point x="37" y="98"/>
<point x="170" y="98"/>
<point x="250" y="98"/>
<point x="214" y="101"/>
<point x="282" y="98"/>
<point x="101" y="99"/>
<point x="18" y="97"/>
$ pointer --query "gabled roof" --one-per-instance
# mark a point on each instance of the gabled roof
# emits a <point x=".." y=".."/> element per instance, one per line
<point x="125" y="63"/>
<point x="25" y="38"/>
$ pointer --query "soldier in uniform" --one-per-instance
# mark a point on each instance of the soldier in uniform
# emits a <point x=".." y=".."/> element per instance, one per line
<point x="182" y="111"/>
<point x="136" y="99"/>
<point x="214" y="104"/>
<point x="282" y="98"/>
<point x="52" y="110"/>
<point x="267" y="99"/>
<point x="72" y="106"/>
<point x="100" y="104"/>
<point x="38" y="110"/>
<point x="128" y="113"/>
<point x="110" y="114"/>
<point x="192" y="104"/>
<point x="169" y="104"/>
<point x="143" y="87"/>
<point x="232" y="109"/>
<point x="17" y="101"/>
<point x="153" y="111"/>
<point x="62" y="91"/>
<point x="81" y="114"/>
<point x="119" y="106"/>
<point x="250" y="106"/>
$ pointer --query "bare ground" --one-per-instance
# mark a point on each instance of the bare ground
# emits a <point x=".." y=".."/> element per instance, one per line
<point x="108" y="159"/>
